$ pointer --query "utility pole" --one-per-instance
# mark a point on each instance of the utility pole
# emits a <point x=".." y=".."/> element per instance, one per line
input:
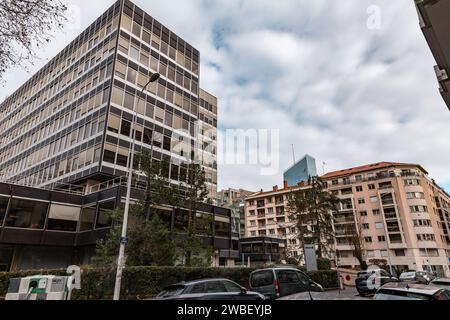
<point x="123" y="238"/>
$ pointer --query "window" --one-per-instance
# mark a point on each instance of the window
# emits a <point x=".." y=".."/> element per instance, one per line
<point x="366" y="226"/>
<point x="374" y="199"/>
<point x="418" y="209"/>
<point x="379" y="225"/>
<point x="122" y="160"/>
<point x="361" y="201"/>
<point x="104" y="209"/>
<point x="412" y="182"/>
<point x="368" y="239"/>
<point x="335" y="182"/>
<point x="215" y="287"/>
<point x="363" y="213"/>
<point x="26" y="214"/>
<point x="125" y="128"/>
<point x="63" y="218"/>
<point x="3" y="207"/>
<point x="371" y="187"/>
<point x="129" y="101"/>
<point x="87" y="218"/>
<point x="376" y="212"/>
<point x="262" y="279"/>
<point x="399" y="252"/>
<point x="359" y="189"/>
<point x="415" y="195"/>
<point x="113" y="123"/>
<point x="287" y="276"/>
<point x="134" y="53"/>
<point x="381" y="239"/>
<point x="109" y="156"/>
<point x="131" y="75"/>
<point x="384" y="253"/>
<point x="231" y="286"/>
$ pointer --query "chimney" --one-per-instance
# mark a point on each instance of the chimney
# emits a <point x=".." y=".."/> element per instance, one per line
<point x="275" y="188"/>
<point x="285" y="185"/>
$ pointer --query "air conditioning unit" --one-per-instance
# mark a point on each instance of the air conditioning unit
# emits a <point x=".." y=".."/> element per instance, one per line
<point x="441" y="74"/>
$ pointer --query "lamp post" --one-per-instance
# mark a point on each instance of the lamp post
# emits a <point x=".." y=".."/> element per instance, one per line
<point x="123" y="240"/>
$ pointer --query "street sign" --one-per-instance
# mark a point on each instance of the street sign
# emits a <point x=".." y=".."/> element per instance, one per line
<point x="124" y="240"/>
<point x="310" y="257"/>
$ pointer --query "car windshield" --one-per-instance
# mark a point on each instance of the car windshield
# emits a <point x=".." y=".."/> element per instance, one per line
<point x="171" y="291"/>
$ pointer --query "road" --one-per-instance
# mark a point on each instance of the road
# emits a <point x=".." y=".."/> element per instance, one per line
<point x="349" y="293"/>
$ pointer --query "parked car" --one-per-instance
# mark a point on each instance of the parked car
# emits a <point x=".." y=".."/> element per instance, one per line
<point x="208" y="289"/>
<point x="417" y="276"/>
<point x="441" y="282"/>
<point x="282" y="281"/>
<point x="368" y="281"/>
<point x="411" y="291"/>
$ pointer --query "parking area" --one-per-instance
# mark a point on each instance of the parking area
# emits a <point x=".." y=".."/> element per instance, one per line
<point x="349" y="293"/>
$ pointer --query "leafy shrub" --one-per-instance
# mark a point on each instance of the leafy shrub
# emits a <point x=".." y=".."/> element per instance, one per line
<point x="323" y="264"/>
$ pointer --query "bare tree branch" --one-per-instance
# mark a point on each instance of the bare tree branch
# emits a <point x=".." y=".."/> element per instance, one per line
<point x="26" y="25"/>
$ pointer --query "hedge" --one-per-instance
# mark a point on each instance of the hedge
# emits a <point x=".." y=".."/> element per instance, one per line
<point x="146" y="282"/>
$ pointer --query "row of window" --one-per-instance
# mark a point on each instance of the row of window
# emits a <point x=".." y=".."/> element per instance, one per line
<point x="60" y="139"/>
<point x="167" y="116"/>
<point x="69" y="79"/>
<point x="58" y="114"/>
<point x="153" y="33"/>
<point x="143" y="55"/>
<point x="29" y="214"/>
<point x="74" y="51"/>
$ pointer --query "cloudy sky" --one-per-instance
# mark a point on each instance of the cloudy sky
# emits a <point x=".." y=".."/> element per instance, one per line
<point x="337" y="82"/>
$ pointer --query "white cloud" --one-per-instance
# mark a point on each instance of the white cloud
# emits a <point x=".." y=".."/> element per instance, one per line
<point x="336" y="90"/>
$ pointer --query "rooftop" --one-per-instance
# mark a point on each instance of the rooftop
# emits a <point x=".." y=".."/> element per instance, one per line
<point x="370" y="167"/>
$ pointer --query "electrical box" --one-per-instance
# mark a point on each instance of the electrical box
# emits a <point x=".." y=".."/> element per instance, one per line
<point x="41" y="287"/>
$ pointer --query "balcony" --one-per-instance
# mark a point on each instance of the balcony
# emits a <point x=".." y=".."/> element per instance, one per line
<point x="233" y="254"/>
<point x="391" y="216"/>
<point x="344" y="220"/>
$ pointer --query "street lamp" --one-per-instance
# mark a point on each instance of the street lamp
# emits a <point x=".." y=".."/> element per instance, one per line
<point x="123" y="238"/>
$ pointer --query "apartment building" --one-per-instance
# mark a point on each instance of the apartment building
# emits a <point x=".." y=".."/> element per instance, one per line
<point x="234" y="199"/>
<point x="400" y="215"/>
<point x="434" y="22"/>
<point x="267" y="214"/>
<point x="72" y="122"/>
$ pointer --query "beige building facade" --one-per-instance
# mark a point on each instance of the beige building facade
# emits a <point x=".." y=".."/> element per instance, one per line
<point x="400" y="215"/>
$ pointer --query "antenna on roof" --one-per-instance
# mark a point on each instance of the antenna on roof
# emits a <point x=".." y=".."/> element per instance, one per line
<point x="293" y="153"/>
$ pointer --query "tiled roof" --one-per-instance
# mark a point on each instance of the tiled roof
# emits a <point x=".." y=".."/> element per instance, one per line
<point x="370" y="167"/>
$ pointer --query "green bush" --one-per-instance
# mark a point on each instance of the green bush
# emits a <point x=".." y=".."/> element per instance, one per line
<point x="146" y="282"/>
<point x="323" y="264"/>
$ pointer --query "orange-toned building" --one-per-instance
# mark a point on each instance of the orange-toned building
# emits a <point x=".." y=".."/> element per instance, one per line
<point x="401" y="215"/>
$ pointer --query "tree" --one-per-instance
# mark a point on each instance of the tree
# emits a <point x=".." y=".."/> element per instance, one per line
<point x="25" y="26"/>
<point x="357" y="242"/>
<point x="106" y="250"/>
<point x="158" y="189"/>
<point x="150" y="244"/>
<point x="312" y="209"/>
<point x="195" y="252"/>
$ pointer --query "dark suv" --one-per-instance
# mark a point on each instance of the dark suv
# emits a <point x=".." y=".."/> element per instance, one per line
<point x="281" y="281"/>
<point x="369" y="281"/>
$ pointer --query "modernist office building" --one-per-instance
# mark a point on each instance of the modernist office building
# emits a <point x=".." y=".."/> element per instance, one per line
<point x="435" y="23"/>
<point x="400" y="214"/>
<point x="71" y="123"/>
<point x="301" y="171"/>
